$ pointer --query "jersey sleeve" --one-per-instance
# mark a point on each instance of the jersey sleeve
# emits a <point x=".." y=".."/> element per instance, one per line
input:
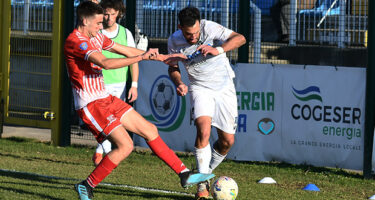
<point x="107" y="43"/>
<point x="217" y="31"/>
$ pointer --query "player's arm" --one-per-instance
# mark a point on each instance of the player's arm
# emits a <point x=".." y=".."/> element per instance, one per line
<point x="133" y="91"/>
<point x="175" y="74"/>
<point x="125" y="50"/>
<point x="114" y="63"/>
<point x="134" y="70"/>
<point x="234" y="41"/>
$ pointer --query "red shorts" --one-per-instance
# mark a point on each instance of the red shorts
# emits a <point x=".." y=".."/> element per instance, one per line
<point x="102" y="116"/>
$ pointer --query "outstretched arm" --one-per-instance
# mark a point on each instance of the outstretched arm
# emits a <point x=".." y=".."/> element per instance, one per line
<point x="125" y="50"/>
<point x="114" y="63"/>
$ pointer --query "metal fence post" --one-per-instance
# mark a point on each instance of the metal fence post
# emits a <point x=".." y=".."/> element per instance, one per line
<point x="60" y="87"/>
<point x="257" y="32"/>
<point x="342" y="24"/>
<point x="244" y="16"/>
<point x="130" y="16"/>
<point x="370" y="96"/>
<point x="293" y="23"/>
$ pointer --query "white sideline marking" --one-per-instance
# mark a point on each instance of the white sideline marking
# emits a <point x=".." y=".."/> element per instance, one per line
<point x="106" y="184"/>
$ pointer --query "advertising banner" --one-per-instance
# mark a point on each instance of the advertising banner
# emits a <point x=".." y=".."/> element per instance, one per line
<point x="291" y="113"/>
<point x="159" y="103"/>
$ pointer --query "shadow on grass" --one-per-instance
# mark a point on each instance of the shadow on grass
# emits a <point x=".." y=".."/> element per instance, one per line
<point x="143" y="194"/>
<point x="39" y="182"/>
<point x="31" y="177"/>
<point x="20" y="191"/>
<point x="19" y="139"/>
<point x="31" y="158"/>
<point x="306" y="168"/>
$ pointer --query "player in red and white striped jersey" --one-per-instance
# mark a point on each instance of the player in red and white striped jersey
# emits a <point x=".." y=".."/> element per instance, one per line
<point x="106" y="116"/>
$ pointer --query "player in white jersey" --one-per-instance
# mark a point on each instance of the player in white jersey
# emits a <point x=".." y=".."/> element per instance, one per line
<point x="213" y="95"/>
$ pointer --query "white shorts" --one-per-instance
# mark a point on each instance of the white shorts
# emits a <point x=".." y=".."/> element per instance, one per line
<point x="221" y="106"/>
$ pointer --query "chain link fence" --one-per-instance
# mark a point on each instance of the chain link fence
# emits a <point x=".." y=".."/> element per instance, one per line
<point x="316" y="32"/>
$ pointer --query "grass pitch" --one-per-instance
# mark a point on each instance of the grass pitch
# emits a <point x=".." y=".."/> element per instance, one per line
<point x="35" y="170"/>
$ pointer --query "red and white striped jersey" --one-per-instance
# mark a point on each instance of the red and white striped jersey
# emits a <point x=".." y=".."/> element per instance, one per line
<point x="86" y="77"/>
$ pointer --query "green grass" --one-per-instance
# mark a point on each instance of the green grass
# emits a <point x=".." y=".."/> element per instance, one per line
<point x="146" y="170"/>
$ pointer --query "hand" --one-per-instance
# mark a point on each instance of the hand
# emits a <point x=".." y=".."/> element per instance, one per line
<point x="151" y="54"/>
<point x="172" y="59"/>
<point x="207" y="49"/>
<point x="182" y="89"/>
<point x="133" y="94"/>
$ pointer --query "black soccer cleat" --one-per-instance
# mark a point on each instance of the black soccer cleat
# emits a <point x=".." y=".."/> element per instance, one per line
<point x="84" y="190"/>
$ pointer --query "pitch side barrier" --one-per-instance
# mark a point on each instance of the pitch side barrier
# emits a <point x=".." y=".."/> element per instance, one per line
<point x="290" y="113"/>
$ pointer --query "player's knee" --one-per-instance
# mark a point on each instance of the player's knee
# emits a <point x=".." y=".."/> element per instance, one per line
<point x="151" y="132"/>
<point x="125" y="150"/>
<point x="227" y="143"/>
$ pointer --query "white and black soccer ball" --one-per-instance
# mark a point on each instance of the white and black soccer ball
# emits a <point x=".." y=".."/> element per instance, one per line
<point x="163" y="98"/>
<point x="224" y="188"/>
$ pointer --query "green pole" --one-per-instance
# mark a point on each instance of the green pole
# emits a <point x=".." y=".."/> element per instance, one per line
<point x="244" y="29"/>
<point x="130" y="15"/>
<point x="370" y="96"/>
<point x="60" y="87"/>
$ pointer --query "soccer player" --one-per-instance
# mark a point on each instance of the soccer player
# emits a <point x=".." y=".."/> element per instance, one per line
<point x="115" y="79"/>
<point x="212" y="90"/>
<point x="106" y="116"/>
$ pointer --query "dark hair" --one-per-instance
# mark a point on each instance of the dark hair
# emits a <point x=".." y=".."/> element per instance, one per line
<point x="87" y="9"/>
<point x="188" y="16"/>
<point x="117" y="5"/>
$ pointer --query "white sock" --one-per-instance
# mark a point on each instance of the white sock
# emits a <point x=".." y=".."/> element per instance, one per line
<point x="107" y="146"/>
<point x="99" y="149"/>
<point x="216" y="160"/>
<point x="203" y="159"/>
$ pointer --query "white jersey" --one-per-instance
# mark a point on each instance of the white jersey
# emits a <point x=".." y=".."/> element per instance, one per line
<point x="212" y="72"/>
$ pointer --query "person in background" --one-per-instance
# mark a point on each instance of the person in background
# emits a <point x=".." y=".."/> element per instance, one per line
<point x="280" y="13"/>
<point x="115" y="80"/>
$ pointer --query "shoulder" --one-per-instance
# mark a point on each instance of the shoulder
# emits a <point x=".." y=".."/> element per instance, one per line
<point x="209" y="25"/>
<point x="75" y="39"/>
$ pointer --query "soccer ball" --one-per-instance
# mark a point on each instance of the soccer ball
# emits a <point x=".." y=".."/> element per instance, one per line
<point x="224" y="188"/>
<point x="163" y="98"/>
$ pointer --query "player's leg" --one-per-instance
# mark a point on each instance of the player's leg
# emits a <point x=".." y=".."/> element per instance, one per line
<point x="203" y="109"/>
<point x="124" y="145"/>
<point x="100" y="118"/>
<point x="135" y="123"/>
<point x="98" y="154"/>
<point x="202" y="145"/>
<point x="221" y="148"/>
<point x="104" y="147"/>
<point x="225" y="122"/>
<point x="203" y="154"/>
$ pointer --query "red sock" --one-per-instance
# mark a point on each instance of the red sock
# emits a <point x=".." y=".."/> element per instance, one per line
<point x="166" y="154"/>
<point x="100" y="172"/>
